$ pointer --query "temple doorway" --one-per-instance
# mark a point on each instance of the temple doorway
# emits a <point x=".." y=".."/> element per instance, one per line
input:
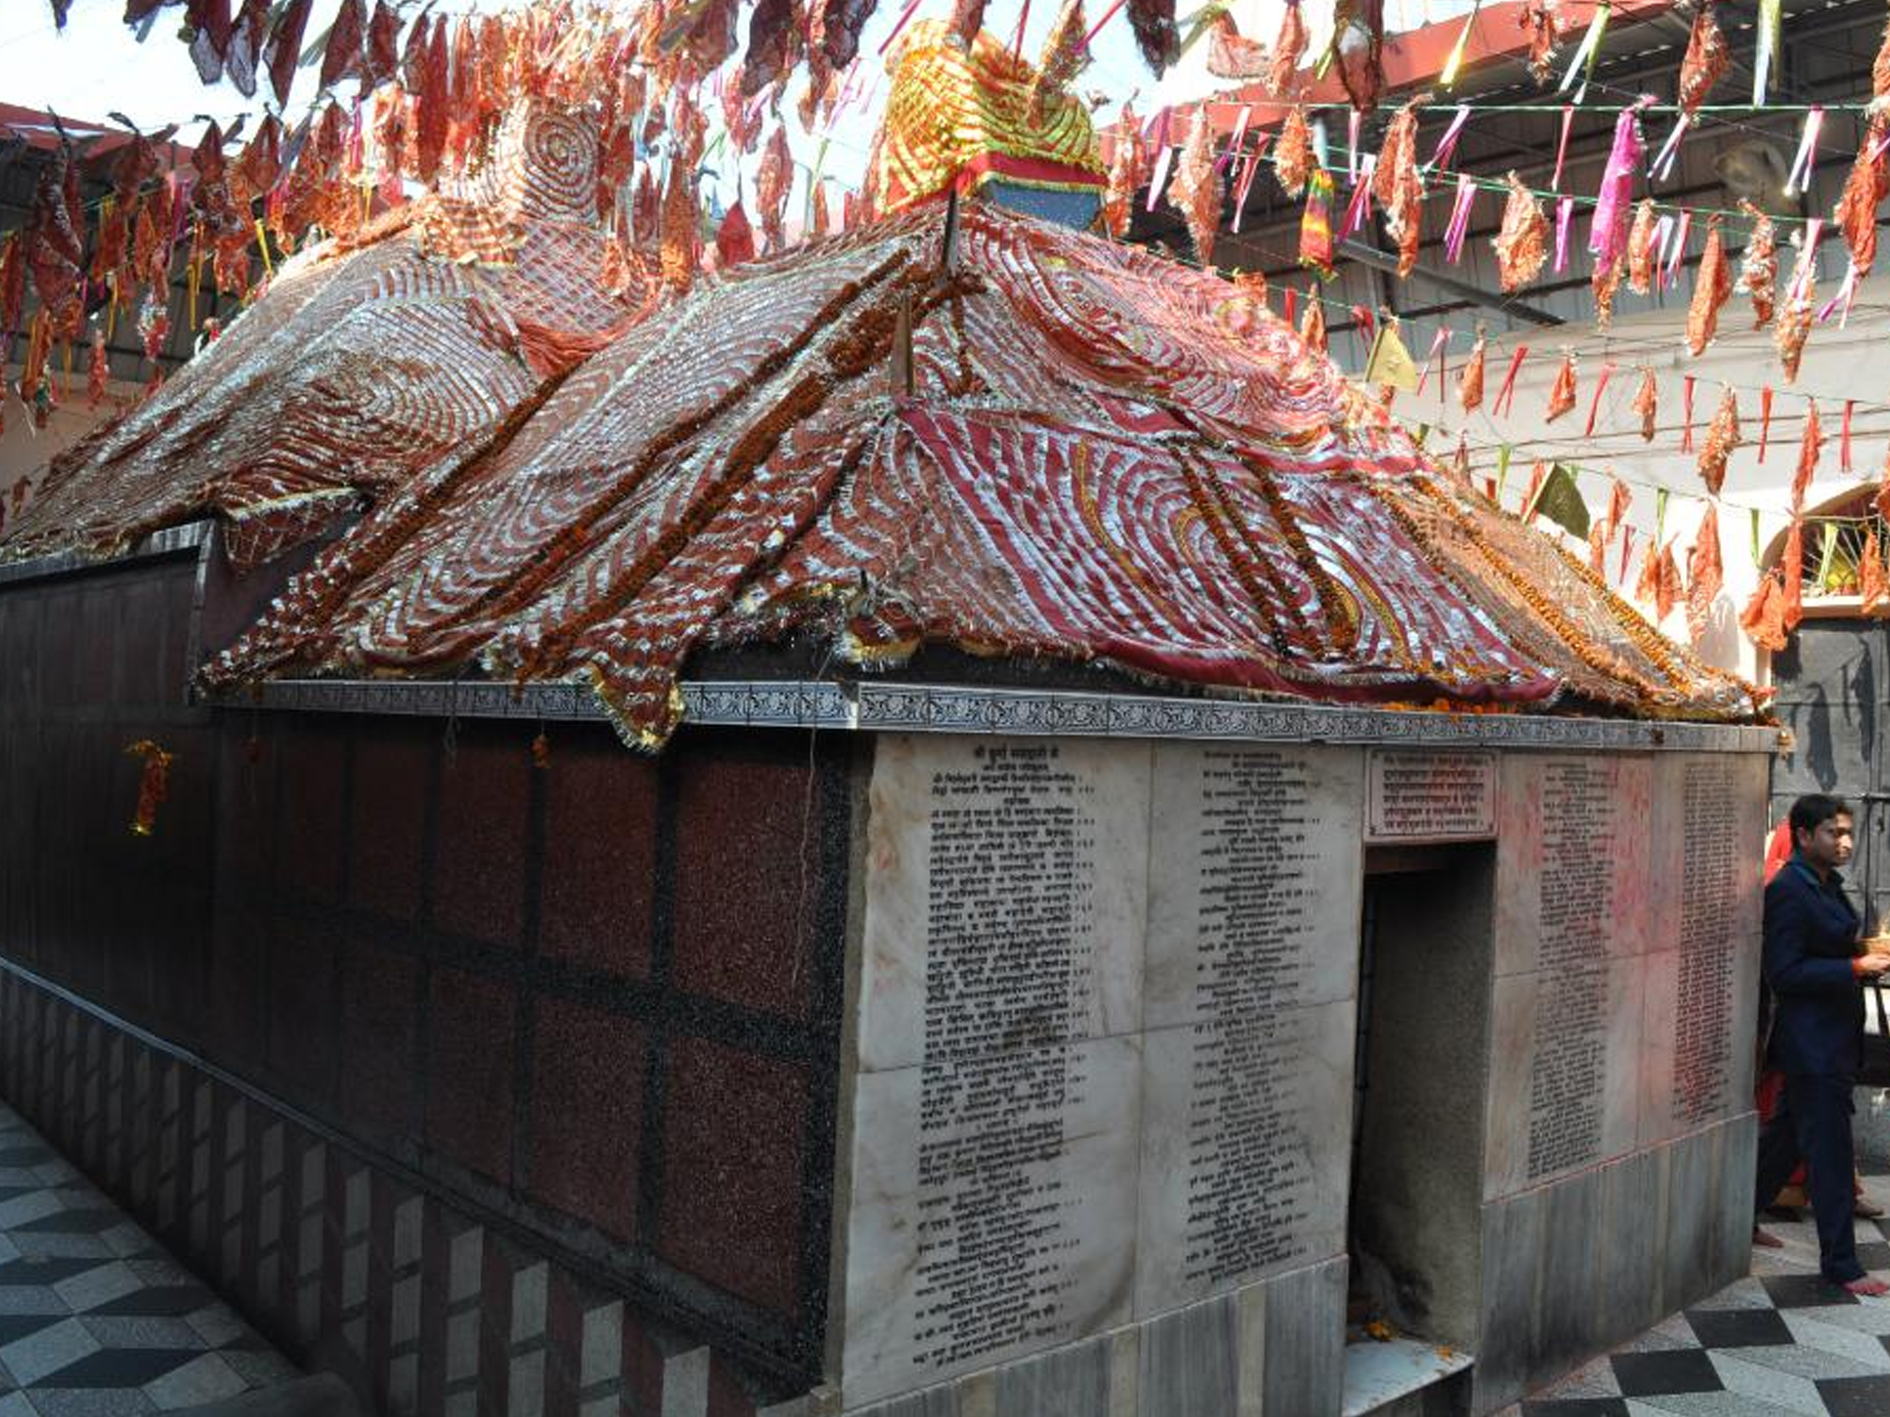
<point x="1413" y="1232"/>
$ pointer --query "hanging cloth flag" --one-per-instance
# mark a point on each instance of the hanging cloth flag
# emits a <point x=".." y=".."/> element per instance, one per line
<point x="1799" y="177"/>
<point x="1164" y="156"/>
<point x="1538" y="472"/>
<point x="1765" y="419"/>
<point x="1598" y="547"/>
<point x="1682" y="229"/>
<point x="1460" y="464"/>
<point x="1756" y="553"/>
<point x="1644" y="237"/>
<point x="1722" y="436"/>
<point x="1246" y="180"/>
<point x="1810" y="446"/>
<point x="1447" y="144"/>
<point x="1315" y="227"/>
<point x="1470" y="380"/>
<point x="1503" y="455"/>
<point x="1293" y="154"/>
<point x="1561" y="147"/>
<point x="1583" y="60"/>
<point x="1459" y="224"/>
<point x="1844" y="437"/>
<point x="1647" y="584"/>
<point x="1627" y="552"/>
<point x="1389" y="361"/>
<point x="1397" y="186"/>
<point x="1705" y="575"/>
<point x="1594" y="404"/>
<point x="1357" y="209"/>
<point x="1763" y="617"/>
<point x="1506" y="393"/>
<point x="1438" y="341"/>
<point x="1289" y="306"/>
<point x="1792" y="574"/>
<point x="1765" y="50"/>
<point x="1289" y="49"/>
<point x="1562" y="395"/>
<point x="1564" y="218"/>
<point x="1758" y="271"/>
<point x="1521" y="241"/>
<point x="1455" y="62"/>
<point x="1708" y="57"/>
<point x="1662" y="165"/>
<point x="1668" y="592"/>
<point x="1619" y="500"/>
<point x="1712" y="286"/>
<point x="1864" y="190"/>
<point x="1647" y="404"/>
<point x="1313" y="328"/>
<point x="1607" y="236"/>
<point x="1686" y="413"/>
<point x="1560" y="500"/>
<point x="1873" y="586"/>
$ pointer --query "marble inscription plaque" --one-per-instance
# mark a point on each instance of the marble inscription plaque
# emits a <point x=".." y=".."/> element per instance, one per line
<point x="1254" y="881"/>
<point x="1709" y="906"/>
<point x="1430" y="796"/>
<point x="998" y="1102"/>
<point x="1253" y="948"/>
<point x="1573" y="861"/>
<point x="1568" y="1073"/>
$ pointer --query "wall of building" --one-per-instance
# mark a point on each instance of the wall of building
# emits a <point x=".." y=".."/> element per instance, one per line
<point x="586" y="1010"/>
<point x="1100" y="1079"/>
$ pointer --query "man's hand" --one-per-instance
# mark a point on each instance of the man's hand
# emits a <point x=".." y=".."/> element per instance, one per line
<point x="1870" y="966"/>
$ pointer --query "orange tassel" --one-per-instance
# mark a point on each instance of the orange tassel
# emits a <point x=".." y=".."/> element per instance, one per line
<point x="153" y="785"/>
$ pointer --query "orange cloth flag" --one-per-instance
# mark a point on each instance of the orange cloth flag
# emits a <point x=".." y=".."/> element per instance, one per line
<point x="1706" y="574"/>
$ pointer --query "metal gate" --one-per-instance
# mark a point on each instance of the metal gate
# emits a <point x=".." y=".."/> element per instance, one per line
<point x="1832" y="689"/>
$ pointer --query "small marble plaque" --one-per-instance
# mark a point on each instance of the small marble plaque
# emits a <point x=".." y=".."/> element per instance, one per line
<point x="1573" y="861"/>
<point x="1255" y="880"/>
<point x="1566" y="1077"/>
<point x="1007" y="896"/>
<point x="993" y="1210"/>
<point x="1420" y="797"/>
<point x="1247" y="1137"/>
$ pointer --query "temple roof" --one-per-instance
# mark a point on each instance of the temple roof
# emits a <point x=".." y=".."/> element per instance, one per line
<point x="960" y="426"/>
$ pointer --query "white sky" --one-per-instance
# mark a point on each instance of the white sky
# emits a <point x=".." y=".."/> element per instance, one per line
<point x="96" y="66"/>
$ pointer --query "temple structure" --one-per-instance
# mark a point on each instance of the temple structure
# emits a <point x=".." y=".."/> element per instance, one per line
<point x="1143" y="871"/>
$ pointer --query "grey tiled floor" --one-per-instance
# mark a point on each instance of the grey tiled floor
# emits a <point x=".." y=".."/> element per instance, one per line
<point x="1779" y="1343"/>
<point x="96" y="1320"/>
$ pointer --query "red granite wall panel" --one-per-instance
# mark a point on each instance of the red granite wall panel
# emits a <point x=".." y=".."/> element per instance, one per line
<point x="479" y="876"/>
<point x="469" y="1071"/>
<point x="600" y="857"/>
<point x="312" y="769"/>
<point x="731" y="1202"/>
<point x="586" y="1113"/>
<point x="388" y="806"/>
<point x="380" y="1040"/>
<point x="303" y="1013"/>
<point x="747" y="863"/>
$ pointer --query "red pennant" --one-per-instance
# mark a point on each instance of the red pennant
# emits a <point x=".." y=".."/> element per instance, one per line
<point x="1765" y="418"/>
<point x="1627" y="546"/>
<point x="1506" y="395"/>
<point x="1844" y="438"/>
<point x="1686" y="412"/>
<point x="1292" y="306"/>
<point x="1594" y="406"/>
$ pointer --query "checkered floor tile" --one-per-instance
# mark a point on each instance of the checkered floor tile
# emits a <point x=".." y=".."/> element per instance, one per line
<point x="1779" y="1343"/>
<point x="95" y="1319"/>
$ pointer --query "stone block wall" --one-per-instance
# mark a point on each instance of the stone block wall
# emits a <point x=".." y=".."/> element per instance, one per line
<point x="592" y="1006"/>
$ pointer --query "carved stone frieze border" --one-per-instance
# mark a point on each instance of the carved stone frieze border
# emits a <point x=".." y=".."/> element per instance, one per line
<point x="922" y="708"/>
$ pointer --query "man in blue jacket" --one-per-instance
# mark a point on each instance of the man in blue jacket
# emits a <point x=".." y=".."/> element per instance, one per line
<point x="1813" y="967"/>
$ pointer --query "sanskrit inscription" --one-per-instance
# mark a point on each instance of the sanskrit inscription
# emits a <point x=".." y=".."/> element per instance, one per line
<point x="1249" y="1184"/>
<point x="1568" y="1075"/>
<point x="1709" y="910"/>
<point x="1011" y="879"/>
<point x="1430" y="797"/>
<point x="1581" y="830"/>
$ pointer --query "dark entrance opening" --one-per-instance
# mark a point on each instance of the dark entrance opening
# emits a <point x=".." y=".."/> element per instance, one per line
<point x="1414" y="1222"/>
